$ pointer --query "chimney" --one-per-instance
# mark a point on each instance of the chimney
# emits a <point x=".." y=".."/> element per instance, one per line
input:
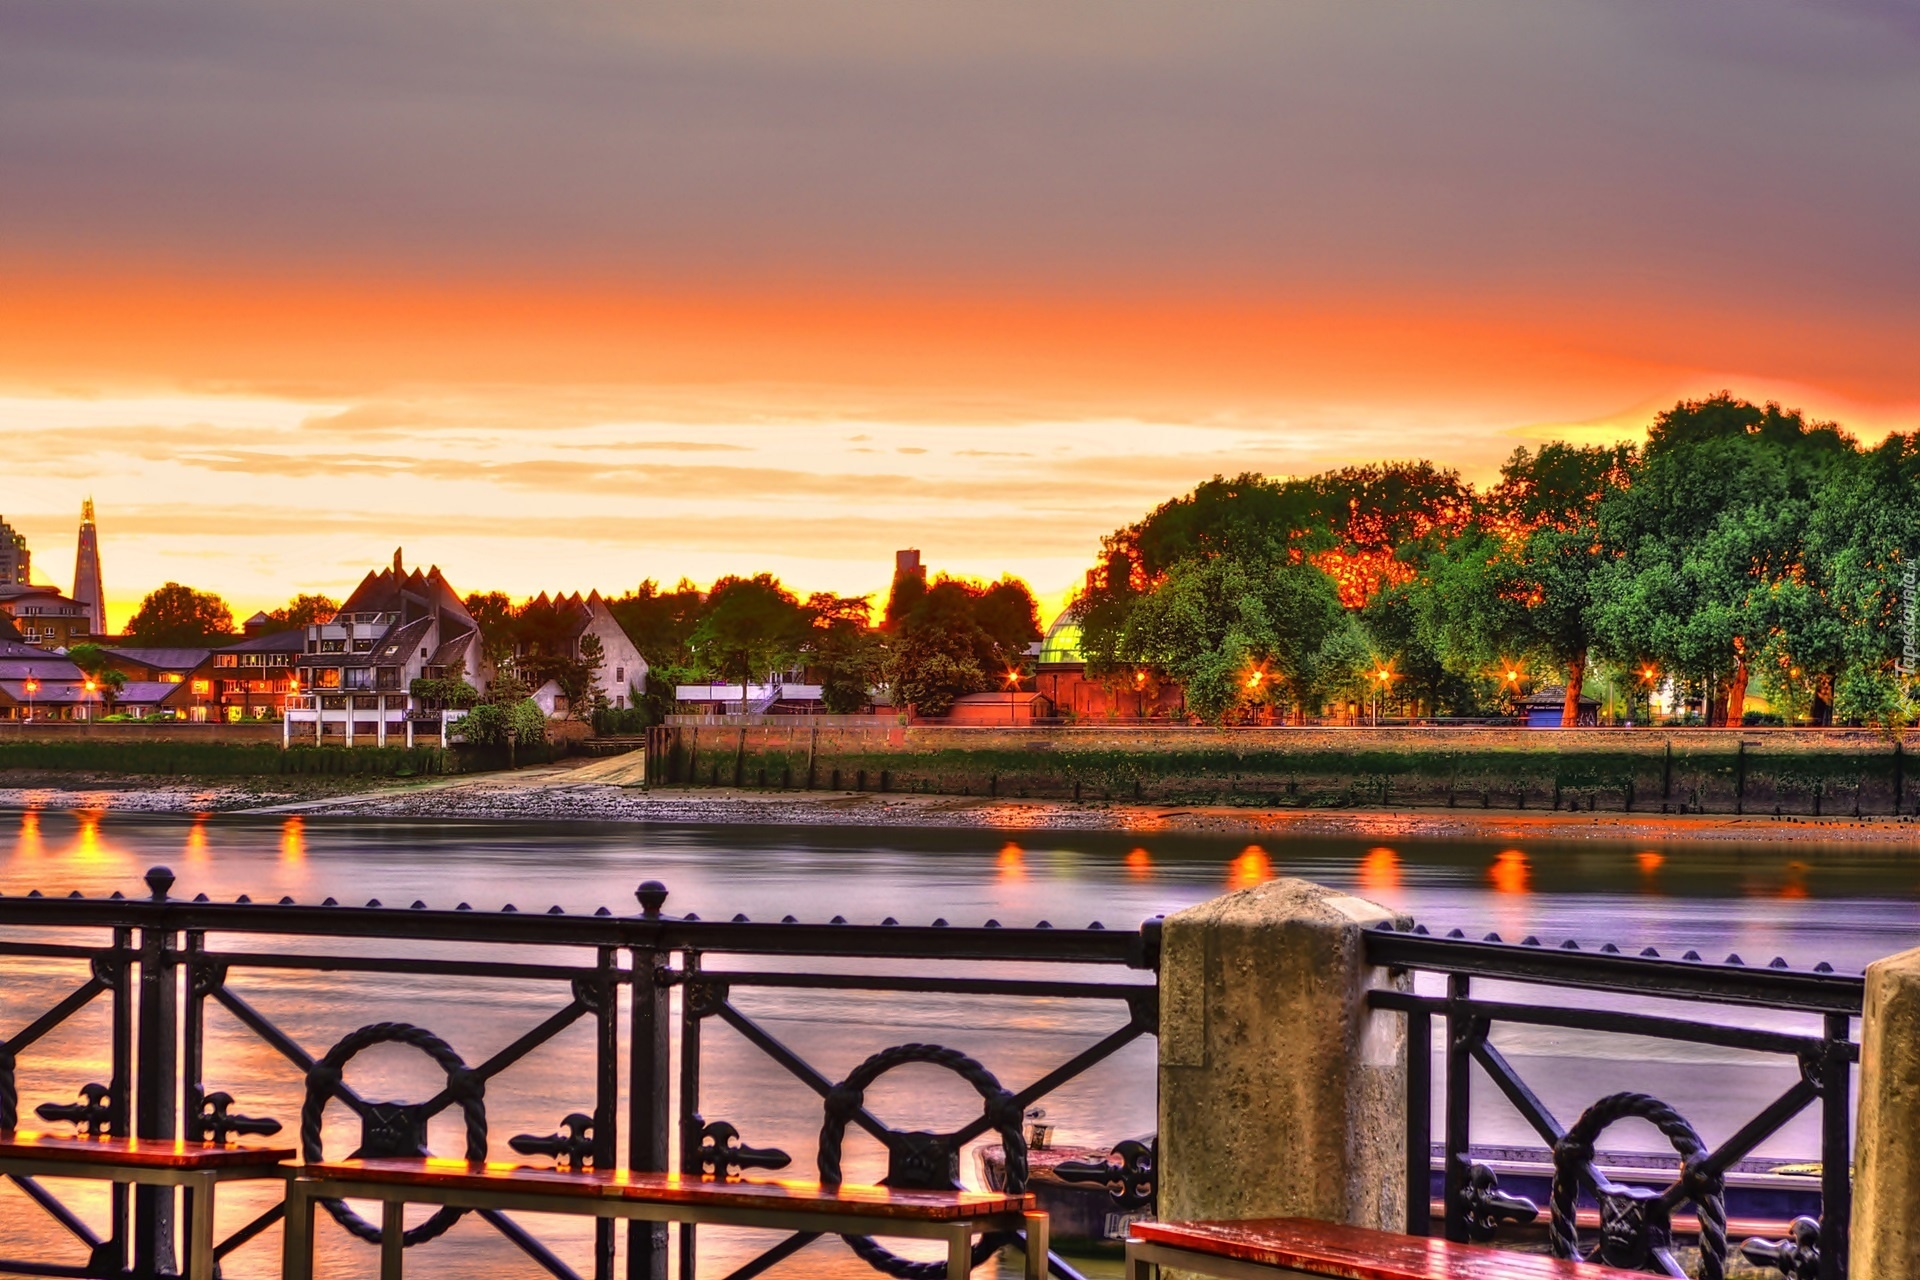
<point x="907" y="564"/>
<point x="397" y="570"/>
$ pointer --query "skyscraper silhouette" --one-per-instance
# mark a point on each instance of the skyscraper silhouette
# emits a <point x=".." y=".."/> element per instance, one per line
<point x="87" y="590"/>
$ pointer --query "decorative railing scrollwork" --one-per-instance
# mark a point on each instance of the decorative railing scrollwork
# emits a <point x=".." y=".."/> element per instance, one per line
<point x="570" y="1150"/>
<point x="1488" y="1208"/>
<point x="217" y="1122"/>
<point x="1797" y="1257"/>
<point x="721" y="1154"/>
<point x="1128" y="1174"/>
<point x="92" y="1117"/>
<point x="1637" y="1221"/>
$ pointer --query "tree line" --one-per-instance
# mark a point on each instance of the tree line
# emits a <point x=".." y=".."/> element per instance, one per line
<point x="1742" y="549"/>
<point x="933" y="643"/>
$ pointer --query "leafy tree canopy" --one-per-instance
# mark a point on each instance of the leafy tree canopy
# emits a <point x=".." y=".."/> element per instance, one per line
<point x="178" y="616"/>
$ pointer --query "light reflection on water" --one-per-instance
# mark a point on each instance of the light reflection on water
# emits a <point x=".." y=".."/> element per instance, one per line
<point x="1806" y="903"/>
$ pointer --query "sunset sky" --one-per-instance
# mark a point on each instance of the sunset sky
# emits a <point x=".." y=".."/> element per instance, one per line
<point x="567" y="295"/>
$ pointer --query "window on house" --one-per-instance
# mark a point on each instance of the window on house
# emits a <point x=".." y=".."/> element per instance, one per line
<point x="359" y="678"/>
<point x="619" y="675"/>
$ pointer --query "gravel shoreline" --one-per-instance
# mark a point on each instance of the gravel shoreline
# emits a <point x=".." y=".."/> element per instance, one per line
<point x="555" y="794"/>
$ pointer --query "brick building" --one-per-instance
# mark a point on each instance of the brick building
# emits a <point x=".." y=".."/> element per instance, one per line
<point x="45" y="618"/>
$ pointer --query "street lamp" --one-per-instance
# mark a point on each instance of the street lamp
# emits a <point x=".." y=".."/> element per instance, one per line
<point x="1013" y="683"/>
<point x="91" y="686"/>
<point x="33" y="687"/>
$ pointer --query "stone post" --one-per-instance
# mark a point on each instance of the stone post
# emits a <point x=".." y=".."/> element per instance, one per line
<point x="1886" y="1152"/>
<point x="1281" y="1094"/>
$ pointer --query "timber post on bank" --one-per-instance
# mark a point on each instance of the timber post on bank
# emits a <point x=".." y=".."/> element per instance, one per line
<point x="1886" y="1186"/>
<point x="1281" y="1093"/>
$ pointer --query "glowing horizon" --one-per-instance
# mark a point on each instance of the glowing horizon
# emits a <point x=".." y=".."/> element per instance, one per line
<point x="564" y="302"/>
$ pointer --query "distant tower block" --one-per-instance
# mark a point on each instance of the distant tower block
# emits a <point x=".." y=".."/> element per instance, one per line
<point x="16" y="562"/>
<point x="87" y="591"/>
<point x="906" y="564"/>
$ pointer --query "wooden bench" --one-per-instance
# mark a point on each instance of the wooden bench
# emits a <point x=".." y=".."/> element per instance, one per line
<point x="197" y="1166"/>
<point x="950" y="1216"/>
<point x="1269" y="1248"/>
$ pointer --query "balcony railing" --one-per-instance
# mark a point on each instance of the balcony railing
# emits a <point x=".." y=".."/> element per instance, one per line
<point x="652" y="991"/>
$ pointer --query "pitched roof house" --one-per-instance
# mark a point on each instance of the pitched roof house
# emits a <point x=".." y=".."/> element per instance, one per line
<point x="557" y="626"/>
<point x="356" y="671"/>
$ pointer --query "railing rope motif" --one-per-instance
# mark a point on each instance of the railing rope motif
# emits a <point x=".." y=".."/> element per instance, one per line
<point x="1636" y="1230"/>
<point x="923" y="1161"/>
<point x="392" y="1128"/>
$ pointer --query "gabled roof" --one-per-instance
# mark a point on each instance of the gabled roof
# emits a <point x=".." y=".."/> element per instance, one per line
<point x="294" y="641"/>
<point x="396" y="648"/>
<point x="450" y="650"/>
<point x="148" y="691"/>
<point x="21" y="649"/>
<point x="164" y="659"/>
<point x="18" y="661"/>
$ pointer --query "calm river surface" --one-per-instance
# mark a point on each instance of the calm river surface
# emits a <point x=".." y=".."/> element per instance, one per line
<point x="1804" y="902"/>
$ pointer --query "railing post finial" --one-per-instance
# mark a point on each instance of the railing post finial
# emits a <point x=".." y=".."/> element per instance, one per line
<point x="159" y="880"/>
<point x="652" y="895"/>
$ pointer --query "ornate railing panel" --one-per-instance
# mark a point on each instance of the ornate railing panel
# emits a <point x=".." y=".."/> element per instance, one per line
<point x="211" y="1038"/>
<point x="1556" y="986"/>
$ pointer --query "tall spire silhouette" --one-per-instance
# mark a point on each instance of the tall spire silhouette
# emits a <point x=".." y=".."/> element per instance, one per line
<point x="87" y="590"/>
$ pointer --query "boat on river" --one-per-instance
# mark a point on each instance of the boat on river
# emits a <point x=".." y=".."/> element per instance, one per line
<point x="1763" y="1196"/>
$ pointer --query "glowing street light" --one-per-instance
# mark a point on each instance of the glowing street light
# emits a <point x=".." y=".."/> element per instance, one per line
<point x="33" y="687"/>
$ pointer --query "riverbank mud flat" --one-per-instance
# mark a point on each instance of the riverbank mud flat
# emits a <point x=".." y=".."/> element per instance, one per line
<point x="604" y="791"/>
<point x="608" y="791"/>
<point x="34" y="789"/>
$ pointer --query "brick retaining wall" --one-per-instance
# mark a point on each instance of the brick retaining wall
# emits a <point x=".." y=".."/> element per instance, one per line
<point x="1639" y="770"/>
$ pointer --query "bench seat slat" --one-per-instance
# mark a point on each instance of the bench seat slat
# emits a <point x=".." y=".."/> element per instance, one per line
<point x="137" y="1153"/>
<point x="793" y="1196"/>
<point x="1357" y="1253"/>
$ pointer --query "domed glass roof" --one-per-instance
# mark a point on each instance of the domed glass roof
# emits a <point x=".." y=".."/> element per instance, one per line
<point x="1062" y="645"/>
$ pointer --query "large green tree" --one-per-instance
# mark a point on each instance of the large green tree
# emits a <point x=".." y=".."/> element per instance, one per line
<point x="178" y="616"/>
<point x="300" y="613"/>
<point x="1240" y="634"/>
<point x="953" y="637"/>
<point x="1696" y="546"/>
<point x="752" y="628"/>
<point x="845" y="651"/>
<point x="1520" y="585"/>
<point x="1852" y="609"/>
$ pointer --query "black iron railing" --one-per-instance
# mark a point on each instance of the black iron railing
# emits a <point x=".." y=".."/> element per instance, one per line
<point x="163" y="966"/>
<point x="1636" y="1222"/>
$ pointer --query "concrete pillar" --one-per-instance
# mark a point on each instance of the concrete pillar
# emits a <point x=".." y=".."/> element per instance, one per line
<point x="1886" y="1157"/>
<point x="409" y="731"/>
<point x="1281" y="1094"/>
<point x="349" y="701"/>
<point x="380" y="734"/>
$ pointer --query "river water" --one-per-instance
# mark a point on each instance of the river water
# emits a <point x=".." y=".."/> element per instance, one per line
<point x="1804" y="902"/>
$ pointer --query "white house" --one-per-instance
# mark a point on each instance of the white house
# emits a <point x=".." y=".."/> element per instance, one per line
<point x="356" y="674"/>
<point x="623" y="672"/>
